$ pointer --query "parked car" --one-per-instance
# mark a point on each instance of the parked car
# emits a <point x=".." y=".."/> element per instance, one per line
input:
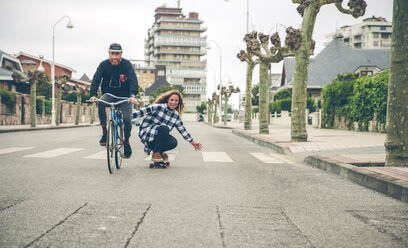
<point x="229" y="117"/>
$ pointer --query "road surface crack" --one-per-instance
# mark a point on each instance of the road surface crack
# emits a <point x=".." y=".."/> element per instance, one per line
<point x="137" y="226"/>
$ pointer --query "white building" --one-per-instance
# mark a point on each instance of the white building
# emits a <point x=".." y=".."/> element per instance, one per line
<point x="176" y="41"/>
<point x="372" y="33"/>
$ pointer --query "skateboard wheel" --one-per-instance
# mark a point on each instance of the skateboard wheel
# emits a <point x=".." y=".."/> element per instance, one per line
<point x="151" y="165"/>
<point x="167" y="164"/>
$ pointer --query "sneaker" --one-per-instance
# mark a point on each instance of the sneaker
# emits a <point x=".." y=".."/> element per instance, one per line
<point x="128" y="151"/>
<point x="102" y="141"/>
<point x="165" y="156"/>
<point x="156" y="157"/>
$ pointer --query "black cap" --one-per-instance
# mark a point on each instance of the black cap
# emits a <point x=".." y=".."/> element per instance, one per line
<point x="115" y="47"/>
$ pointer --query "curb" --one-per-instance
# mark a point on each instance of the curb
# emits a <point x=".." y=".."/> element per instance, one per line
<point x="41" y="128"/>
<point x="387" y="185"/>
<point x="222" y="127"/>
<point x="279" y="149"/>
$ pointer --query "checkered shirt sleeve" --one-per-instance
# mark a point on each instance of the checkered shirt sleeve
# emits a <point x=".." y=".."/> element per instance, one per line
<point x="159" y="115"/>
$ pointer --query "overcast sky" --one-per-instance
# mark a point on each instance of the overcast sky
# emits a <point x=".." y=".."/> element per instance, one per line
<point x="26" y="25"/>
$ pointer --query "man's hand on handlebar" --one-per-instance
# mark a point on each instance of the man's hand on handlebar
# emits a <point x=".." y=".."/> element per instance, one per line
<point x="133" y="100"/>
<point x="93" y="99"/>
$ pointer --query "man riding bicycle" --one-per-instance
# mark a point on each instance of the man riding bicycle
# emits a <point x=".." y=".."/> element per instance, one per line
<point x="117" y="77"/>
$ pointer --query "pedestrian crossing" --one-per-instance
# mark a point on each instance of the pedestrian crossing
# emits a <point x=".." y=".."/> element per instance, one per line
<point x="220" y="157"/>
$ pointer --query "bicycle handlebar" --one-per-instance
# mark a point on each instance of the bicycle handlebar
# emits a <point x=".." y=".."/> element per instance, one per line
<point x="125" y="99"/>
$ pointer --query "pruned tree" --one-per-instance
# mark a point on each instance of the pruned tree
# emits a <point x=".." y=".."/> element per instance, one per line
<point x="80" y="91"/>
<point x="309" y="9"/>
<point x="267" y="55"/>
<point x="209" y="110"/>
<point x="226" y="93"/>
<point x="216" y="101"/>
<point x="62" y="86"/>
<point x="33" y="77"/>
<point x="396" y="142"/>
<point x="246" y="56"/>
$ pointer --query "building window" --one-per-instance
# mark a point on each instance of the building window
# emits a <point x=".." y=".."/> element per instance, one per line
<point x="383" y="28"/>
<point x="366" y="73"/>
<point x="375" y="43"/>
<point x="375" y="35"/>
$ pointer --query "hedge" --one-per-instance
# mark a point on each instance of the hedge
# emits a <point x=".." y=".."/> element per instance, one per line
<point x="39" y="106"/>
<point x="9" y="99"/>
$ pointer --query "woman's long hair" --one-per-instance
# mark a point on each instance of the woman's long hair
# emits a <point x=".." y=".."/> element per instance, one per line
<point x="164" y="98"/>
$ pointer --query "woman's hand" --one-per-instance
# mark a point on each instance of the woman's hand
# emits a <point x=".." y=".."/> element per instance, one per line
<point x="197" y="145"/>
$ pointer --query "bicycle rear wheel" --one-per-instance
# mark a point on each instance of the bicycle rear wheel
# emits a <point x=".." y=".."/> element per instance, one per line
<point x="119" y="145"/>
<point x="110" y="147"/>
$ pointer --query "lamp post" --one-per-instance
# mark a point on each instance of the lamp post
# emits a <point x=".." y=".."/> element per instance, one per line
<point x="208" y="47"/>
<point x="69" y="25"/>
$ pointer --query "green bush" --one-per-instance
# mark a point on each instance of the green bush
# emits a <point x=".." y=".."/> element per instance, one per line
<point x="283" y="94"/>
<point x="9" y="99"/>
<point x="39" y="106"/>
<point x="336" y="99"/>
<point x="276" y="107"/>
<point x="310" y="104"/>
<point x="370" y="96"/>
<point x="200" y="108"/>
<point x="48" y="107"/>
<point x="286" y="104"/>
<point x="71" y="97"/>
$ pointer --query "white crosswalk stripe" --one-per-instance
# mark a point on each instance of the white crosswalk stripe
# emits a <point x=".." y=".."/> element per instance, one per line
<point x="172" y="156"/>
<point x="14" y="149"/>
<point x="53" y="153"/>
<point x="266" y="158"/>
<point x="216" y="157"/>
<point x="98" y="155"/>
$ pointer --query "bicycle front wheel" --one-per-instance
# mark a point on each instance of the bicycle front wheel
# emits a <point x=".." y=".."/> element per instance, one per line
<point x="110" y="147"/>
<point x="119" y="145"/>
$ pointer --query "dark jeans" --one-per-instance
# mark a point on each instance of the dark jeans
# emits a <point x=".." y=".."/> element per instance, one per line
<point x="164" y="141"/>
<point x="126" y="109"/>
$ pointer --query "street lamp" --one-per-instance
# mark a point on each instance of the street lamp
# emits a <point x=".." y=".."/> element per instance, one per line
<point x="247" y="19"/>
<point x="208" y="47"/>
<point x="69" y="25"/>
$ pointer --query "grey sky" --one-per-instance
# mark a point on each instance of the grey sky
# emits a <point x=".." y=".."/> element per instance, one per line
<point x="26" y="25"/>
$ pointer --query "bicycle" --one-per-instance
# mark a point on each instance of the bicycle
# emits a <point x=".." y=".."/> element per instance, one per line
<point x="114" y="136"/>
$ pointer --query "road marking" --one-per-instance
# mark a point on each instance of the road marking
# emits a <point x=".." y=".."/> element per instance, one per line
<point x="98" y="155"/>
<point x="172" y="156"/>
<point x="14" y="149"/>
<point x="53" y="153"/>
<point x="216" y="157"/>
<point x="265" y="158"/>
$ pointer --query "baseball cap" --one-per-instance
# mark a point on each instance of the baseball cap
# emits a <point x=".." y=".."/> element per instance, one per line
<point x="115" y="47"/>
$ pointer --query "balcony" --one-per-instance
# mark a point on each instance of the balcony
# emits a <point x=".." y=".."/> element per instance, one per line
<point x="180" y="41"/>
<point x="182" y="29"/>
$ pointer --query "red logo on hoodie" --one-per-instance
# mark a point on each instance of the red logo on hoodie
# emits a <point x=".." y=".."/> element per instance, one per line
<point x="123" y="77"/>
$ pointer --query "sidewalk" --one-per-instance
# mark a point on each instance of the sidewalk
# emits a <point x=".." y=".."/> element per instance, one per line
<point x="21" y="128"/>
<point x="341" y="152"/>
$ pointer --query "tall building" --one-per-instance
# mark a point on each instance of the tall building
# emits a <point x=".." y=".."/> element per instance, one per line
<point x="372" y="33"/>
<point x="177" y="42"/>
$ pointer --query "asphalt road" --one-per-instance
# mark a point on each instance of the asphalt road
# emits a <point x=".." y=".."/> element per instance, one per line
<point x="56" y="192"/>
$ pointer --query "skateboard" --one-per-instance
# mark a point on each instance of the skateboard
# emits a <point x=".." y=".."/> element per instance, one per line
<point x="162" y="164"/>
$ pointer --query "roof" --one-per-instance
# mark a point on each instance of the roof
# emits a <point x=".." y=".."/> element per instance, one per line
<point x="337" y="58"/>
<point x="161" y="81"/>
<point x="85" y="78"/>
<point x="4" y="73"/>
<point x="44" y="60"/>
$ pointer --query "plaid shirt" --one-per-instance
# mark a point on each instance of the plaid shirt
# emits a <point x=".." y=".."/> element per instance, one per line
<point x="155" y="116"/>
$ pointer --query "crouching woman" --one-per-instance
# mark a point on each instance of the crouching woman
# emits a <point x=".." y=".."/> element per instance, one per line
<point x="160" y="118"/>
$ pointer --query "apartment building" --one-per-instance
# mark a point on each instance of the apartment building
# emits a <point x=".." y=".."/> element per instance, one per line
<point x="177" y="42"/>
<point x="372" y="33"/>
<point x="145" y="75"/>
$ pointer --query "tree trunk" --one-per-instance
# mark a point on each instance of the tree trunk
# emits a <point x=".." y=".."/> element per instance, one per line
<point x="263" y="99"/>
<point x="93" y="109"/>
<point x="33" y="103"/>
<point x="209" y="113"/>
<point x="215" y="113"/>
<point x="248" y="99"/>
<point x="58" y="114"/>
<point x="225" y="109"/>
<point x="298" y="120"/>
<point x="396" y="142"/>
<point x="78" y="112"/>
